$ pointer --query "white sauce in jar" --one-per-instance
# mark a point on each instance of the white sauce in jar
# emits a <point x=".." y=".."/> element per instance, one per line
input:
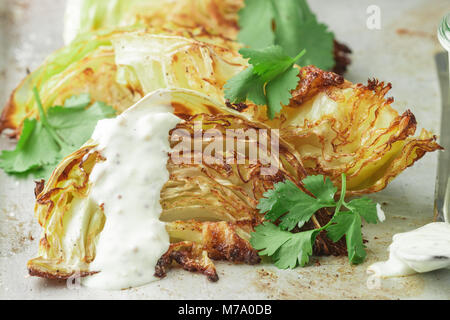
<point x="422" y="250"/>
<point x="128" y="184"/>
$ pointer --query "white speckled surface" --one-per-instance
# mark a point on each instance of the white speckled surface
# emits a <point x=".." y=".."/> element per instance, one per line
<point x="401" y="52"/>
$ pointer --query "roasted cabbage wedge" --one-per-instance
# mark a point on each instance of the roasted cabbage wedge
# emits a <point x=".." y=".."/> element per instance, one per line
<point x="210" y="208"/>
<point x="339" y="127"/>
<point x="216" y="16"/>
<point x="119" y="67"/>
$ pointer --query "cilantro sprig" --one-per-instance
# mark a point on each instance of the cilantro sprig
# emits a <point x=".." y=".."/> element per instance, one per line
<point x="58" y="132"/>
<point x="290" y="24"/>
<point x="288" y="27"/>
<point x="268" y="80"/>
<point x="291" y="207"/>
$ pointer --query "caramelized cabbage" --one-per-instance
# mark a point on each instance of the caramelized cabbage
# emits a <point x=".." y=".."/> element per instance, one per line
<point x="329" y="127"/>
<point x="336" y="126"/>
<point x="205" y="192"/>
<point x="339" y="127"/>
<point x="120" y="67"/>
<point x="216" y="16"/>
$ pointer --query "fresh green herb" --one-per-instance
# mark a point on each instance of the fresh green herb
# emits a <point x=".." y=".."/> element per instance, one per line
<point x="288" y="27"/>
<point x="291" y="207"/>
<point x="290" y="24"/>
<point x="58" y="132"/>
<point x="288" y="250"/>
<point x="268" y="80"/>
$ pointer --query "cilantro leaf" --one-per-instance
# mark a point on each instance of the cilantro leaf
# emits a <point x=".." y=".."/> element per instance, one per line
<point x="269" y="62"/>
<point x="297" y="28"/>
<point x="322" y="188"/>
<point x="35" y="148"/>
<point x="268" y="238"/>
<point x="272" y="203"/>
<point x="256" y="16"/>
<point x="286" y="197"/>
<point x="348" y="224"/>
<point x="296" y="251"/>
<point x="77" y="124"/>
<point x="288" y="250"/>
<point x="364" y="207"/>
<point x="300" y="212"/>
<point x="320" y="48"/>
<point x="292" y="206"/>
<point x="290" y="24"/>
<point x="277" y="201"/>
<point x="268" y="80"/>
<point x="245" y="85"/>
<point x="279" y="91"/>
<point x="59" y="132"/>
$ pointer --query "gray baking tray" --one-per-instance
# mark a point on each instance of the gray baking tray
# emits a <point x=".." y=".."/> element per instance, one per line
<point x="401" y="52"/>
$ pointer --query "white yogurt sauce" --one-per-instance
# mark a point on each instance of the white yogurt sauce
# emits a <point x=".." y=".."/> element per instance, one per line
<point x="128" y="184"/>
<point x="421" y="250"/>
